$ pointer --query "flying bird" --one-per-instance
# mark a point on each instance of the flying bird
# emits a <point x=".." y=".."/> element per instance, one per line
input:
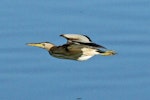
<point x="78" y="47"/>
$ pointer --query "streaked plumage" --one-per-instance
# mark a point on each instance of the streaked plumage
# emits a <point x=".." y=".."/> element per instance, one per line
<point x="78" y="47"/>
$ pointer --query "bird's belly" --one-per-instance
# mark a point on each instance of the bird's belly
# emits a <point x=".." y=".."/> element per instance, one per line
<point x="84" y="54"/>
<point x="84" y="57"/>
<point x="66" y="56"/>
<point x="72" y="57"/>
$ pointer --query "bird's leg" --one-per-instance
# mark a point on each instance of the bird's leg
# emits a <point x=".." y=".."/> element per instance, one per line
<point x="107" y="53"/>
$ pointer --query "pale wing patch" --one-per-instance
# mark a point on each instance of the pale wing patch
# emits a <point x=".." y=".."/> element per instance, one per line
<point x="88" y="53"/>
<point x="77" y="38"/>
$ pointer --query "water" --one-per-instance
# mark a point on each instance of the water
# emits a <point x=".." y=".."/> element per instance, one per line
<point x="28" y="73"/>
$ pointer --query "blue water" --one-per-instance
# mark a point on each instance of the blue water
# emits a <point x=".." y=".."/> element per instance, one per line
<point x="28" y="73"/>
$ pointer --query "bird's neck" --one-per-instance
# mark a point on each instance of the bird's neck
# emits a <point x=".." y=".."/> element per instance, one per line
<point x="49" y="46"/>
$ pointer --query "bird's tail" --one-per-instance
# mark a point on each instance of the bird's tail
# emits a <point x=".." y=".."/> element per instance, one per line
<point x="107" y="52"/>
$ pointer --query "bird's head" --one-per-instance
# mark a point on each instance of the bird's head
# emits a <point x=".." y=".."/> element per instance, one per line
<point x="44" y="45"/>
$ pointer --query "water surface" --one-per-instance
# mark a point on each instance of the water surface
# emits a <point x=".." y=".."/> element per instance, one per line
<point x="28" y="73"/>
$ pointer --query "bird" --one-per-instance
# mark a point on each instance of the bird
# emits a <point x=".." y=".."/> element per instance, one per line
<point x="78" y="47"/>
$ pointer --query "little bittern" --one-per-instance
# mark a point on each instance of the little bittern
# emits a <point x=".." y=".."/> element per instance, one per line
<point x="78" y="47"/>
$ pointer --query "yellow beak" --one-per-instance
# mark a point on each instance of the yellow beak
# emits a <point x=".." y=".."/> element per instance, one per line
<point x="40" y="45"/>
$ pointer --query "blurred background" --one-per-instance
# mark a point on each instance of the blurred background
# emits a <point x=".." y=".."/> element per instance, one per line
<point x="28" y="73"/>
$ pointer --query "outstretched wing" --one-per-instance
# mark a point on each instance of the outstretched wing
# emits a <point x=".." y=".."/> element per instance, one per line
<point x="81" y="39"/>
<point x="76" y="38"/>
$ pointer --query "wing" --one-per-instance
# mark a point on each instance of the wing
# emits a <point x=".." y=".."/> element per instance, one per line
<point x="94" y="45"/>
<point x="80" y="39"/>
<point x="76" y="38"/>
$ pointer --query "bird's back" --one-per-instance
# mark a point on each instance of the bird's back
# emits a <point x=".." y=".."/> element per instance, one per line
<point x="69" y="51"/>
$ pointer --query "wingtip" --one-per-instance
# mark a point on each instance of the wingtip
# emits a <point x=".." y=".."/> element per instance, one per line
<point x="61" y="35"/>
